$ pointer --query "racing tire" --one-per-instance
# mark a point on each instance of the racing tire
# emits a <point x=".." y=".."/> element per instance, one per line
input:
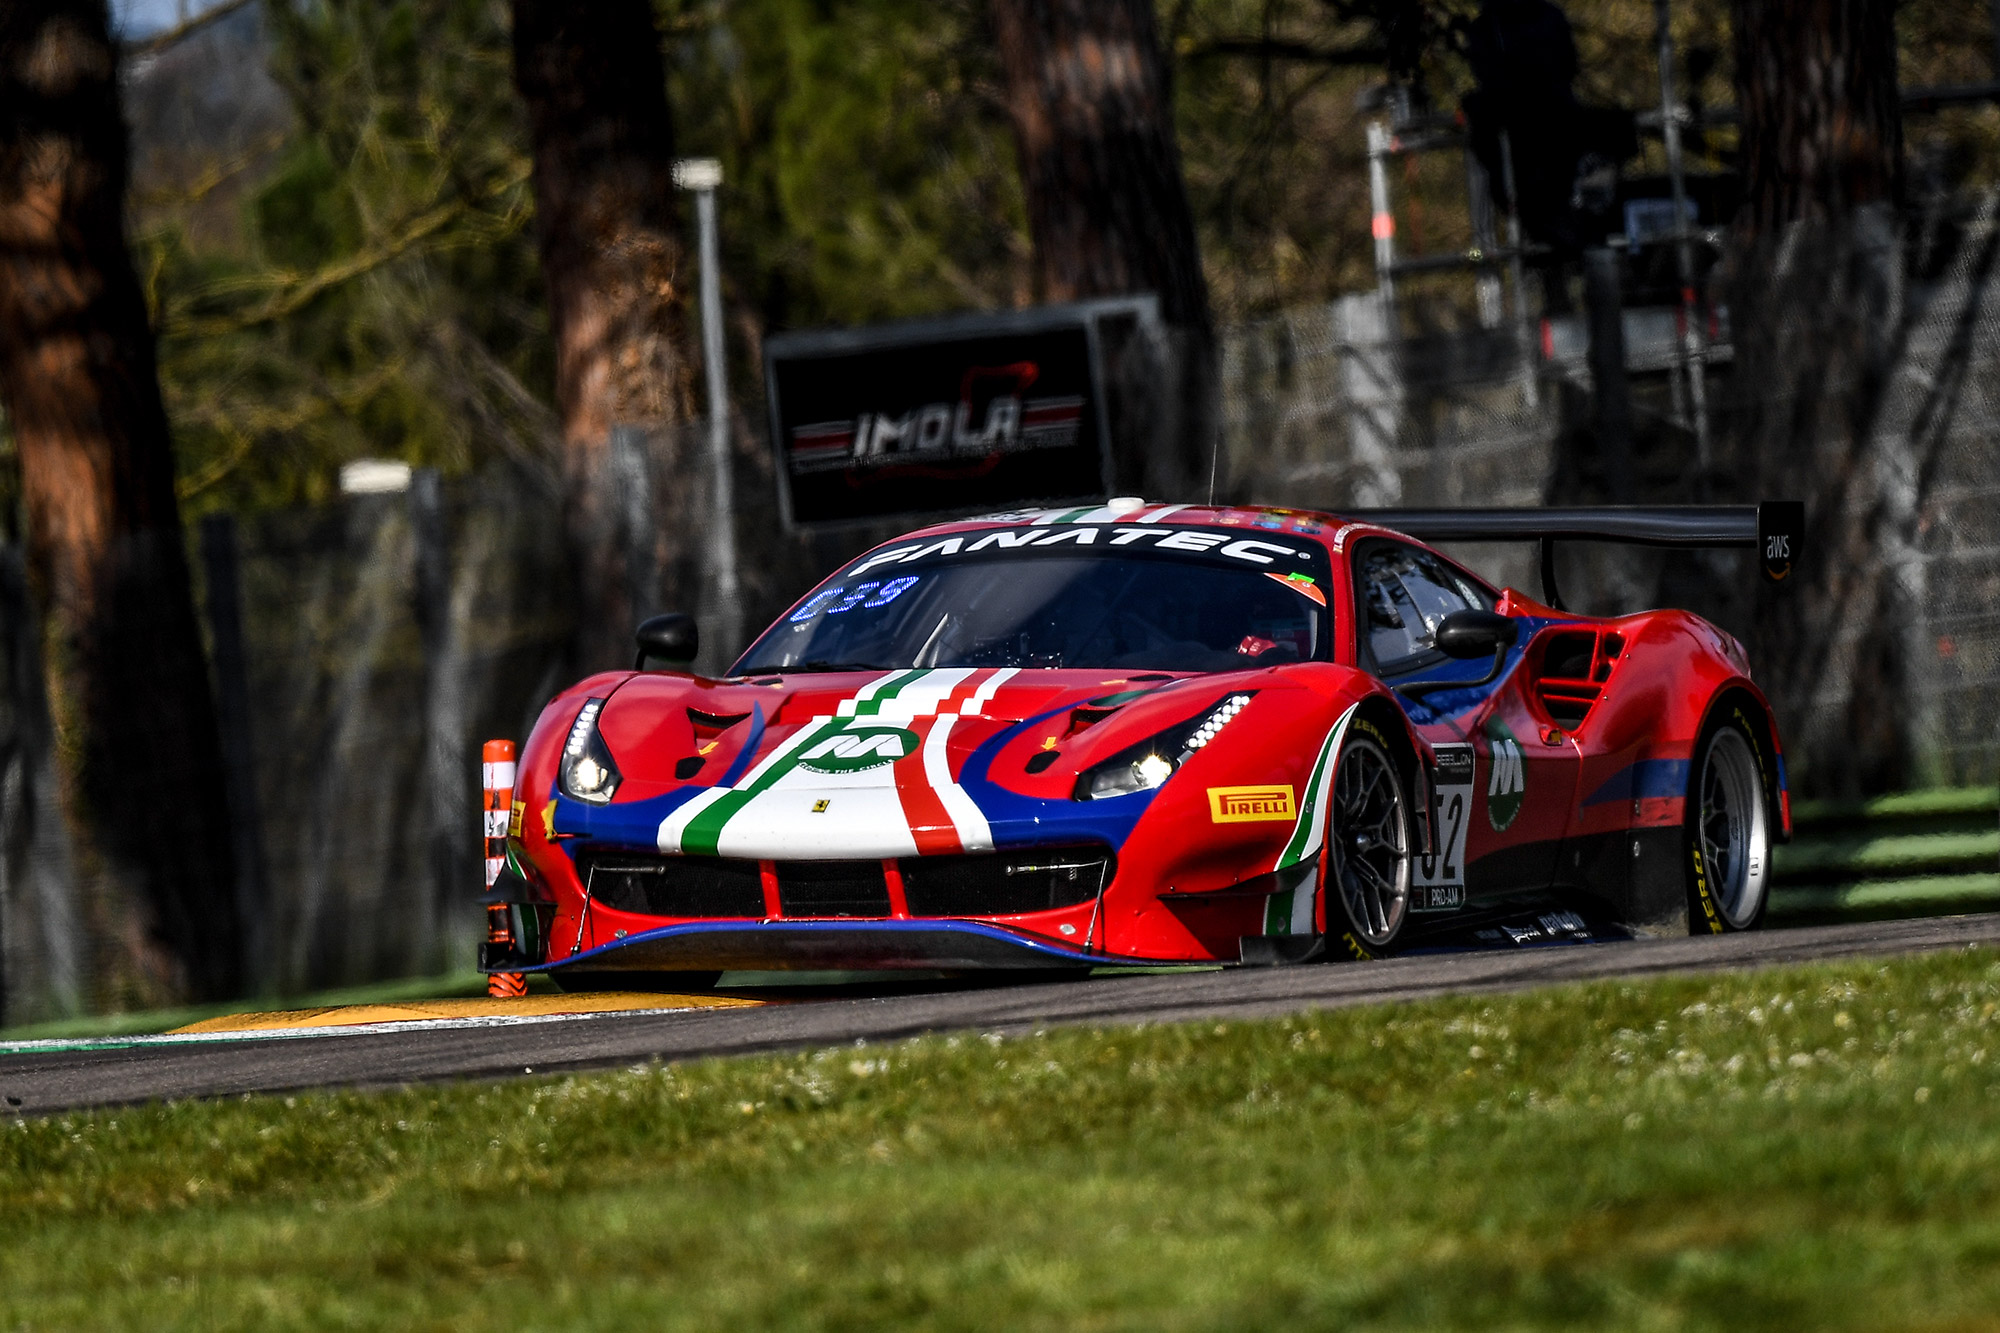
<point x="1369" y="855"/>
<point x="666" y="982"/>
<point x="1726" y="830"/>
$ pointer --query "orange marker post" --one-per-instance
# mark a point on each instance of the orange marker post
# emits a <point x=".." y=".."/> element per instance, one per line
<point x="496" y="762"/>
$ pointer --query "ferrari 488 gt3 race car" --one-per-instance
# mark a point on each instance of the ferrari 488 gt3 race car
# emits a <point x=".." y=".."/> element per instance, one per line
<point x="1143" y="734"/>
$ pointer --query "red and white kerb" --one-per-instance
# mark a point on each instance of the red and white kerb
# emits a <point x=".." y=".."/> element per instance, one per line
<point x="496" y="765"/>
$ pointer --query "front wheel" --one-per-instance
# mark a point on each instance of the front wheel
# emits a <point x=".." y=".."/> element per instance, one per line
<point x="1727" y="829"/>
<point x="1368" y="853"/>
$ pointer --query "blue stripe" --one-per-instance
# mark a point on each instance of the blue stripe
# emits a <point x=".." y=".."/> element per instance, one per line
<point x="1029" y="821"/>
<point x="892" y="926"/>
<point x="1641" y="780"/>
<point x="749" y="750"/>
<point x="1443" y="703"/>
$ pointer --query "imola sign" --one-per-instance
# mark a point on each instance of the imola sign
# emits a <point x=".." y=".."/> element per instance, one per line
<point x="974" y="412"/>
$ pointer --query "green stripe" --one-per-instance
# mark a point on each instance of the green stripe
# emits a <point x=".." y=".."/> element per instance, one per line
<point x="1075" y="514"/>
<point x="1309" y="802"/>
<point x="1278" y="913"/>
<point x="891" y="688"/>
<point x="704" y="831"/>
<point x="703" y="836"/>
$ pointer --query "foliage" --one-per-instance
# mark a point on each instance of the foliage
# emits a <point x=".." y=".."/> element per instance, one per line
<point x="363" y="280"/>
<point x="1814" y="1147"/>
<point x="868" y="165"/>
<point x="380" y="295"/>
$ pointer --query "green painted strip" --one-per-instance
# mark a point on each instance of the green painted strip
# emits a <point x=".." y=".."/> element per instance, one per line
<point x="1954" y="891"/>
<point x="1886" y="857"/>
<point x="890" y="689"/>
<point x="1309" y="798"/>
<point x="1075" y="514"/>
<point x="1930" y="802"/>
<point x="1279" y="908"/>
<point x="704" y="831"/>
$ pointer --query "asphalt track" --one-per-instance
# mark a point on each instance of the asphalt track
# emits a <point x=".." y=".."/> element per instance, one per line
<point x="39" y="1081"/>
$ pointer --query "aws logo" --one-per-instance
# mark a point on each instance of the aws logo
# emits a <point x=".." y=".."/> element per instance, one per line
<point x="1507" y="781"/>
<point x="863" y="747"/>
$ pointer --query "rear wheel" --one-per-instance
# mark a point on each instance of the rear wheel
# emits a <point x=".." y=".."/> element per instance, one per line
<point x="1727" y="829"/>
<point x="1368" y="853"/>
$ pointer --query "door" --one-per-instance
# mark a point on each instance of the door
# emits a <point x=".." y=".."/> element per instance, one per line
<point x="1507" y="779"/>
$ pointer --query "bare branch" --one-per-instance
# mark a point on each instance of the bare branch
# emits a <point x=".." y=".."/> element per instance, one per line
<point x="160" y="41"/>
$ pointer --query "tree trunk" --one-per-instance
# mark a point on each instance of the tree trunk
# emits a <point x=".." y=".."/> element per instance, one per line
<point x="1816" y="305"/>
<point x="1107" y="207"/>
<point x="1822" y="128"/>
<point x="127" y="679"/>
<point x="595" y="88"/>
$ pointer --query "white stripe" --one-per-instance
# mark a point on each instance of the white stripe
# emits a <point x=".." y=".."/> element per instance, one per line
<point x="1103" y="514"/>
<point x="864" y="695"/>
<point x="1155" y="515"/>
<point x="974" y="833"/>
<point x="1316" y="831"/>
<point x="924" y="695"/>
<point x="674" y="827"/>
<point x="982" y="696"/>
<point x="496" y="823"/>
<point x="497" y="776"/>
<point x="1047" y="517"/>
<point x="1302" y="905"/>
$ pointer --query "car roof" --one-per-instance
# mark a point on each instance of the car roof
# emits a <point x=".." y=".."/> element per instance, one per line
<point x="1331" y="530"/>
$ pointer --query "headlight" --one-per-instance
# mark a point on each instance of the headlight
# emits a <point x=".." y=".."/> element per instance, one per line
<point x="587" y="772"/>
<point x="1146" y="765"/>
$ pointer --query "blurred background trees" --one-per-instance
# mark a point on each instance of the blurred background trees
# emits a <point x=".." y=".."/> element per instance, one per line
<point x="139" y="764"/>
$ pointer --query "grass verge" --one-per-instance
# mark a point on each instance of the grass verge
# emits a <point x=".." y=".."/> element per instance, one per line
<point x="1813" y="1147"/>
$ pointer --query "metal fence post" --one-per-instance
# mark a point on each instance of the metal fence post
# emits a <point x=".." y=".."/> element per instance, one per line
<point x="703" y="175"/>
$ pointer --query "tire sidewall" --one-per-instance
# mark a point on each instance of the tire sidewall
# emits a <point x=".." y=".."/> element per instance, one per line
<point x="1705" y="915"/>
<point x="1343" y="938"/>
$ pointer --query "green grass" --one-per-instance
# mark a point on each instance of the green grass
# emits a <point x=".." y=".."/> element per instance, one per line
<point x="1809" y="1148"/>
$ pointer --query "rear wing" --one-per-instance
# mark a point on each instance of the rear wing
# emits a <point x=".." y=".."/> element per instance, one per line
<point x="1775" y="529"/>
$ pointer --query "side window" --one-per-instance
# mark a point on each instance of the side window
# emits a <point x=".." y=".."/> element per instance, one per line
<point x="1404" y="594"/>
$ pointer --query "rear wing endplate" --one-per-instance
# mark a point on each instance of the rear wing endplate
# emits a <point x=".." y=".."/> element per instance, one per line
<point x="1775" y="529"/>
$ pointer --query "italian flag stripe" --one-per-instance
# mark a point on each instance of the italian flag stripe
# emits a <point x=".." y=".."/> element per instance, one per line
<point x="930" y="823"/>
<point x="1307" y="832"/>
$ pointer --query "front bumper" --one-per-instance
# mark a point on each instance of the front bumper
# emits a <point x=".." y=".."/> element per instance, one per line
<point x="836" y="946"/>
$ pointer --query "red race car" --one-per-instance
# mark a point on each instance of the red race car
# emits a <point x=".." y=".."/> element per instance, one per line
<point x="1143" y="734"/>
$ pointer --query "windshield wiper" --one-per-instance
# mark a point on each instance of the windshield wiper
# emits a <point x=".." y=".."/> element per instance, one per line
<point x="817" y="664"/>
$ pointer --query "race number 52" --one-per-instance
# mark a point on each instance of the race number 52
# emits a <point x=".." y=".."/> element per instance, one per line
<point x="1439" y="881"/>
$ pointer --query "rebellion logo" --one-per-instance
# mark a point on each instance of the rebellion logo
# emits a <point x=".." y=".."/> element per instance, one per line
<point x="865" y="747"/>
<point x="1248" y="805"/>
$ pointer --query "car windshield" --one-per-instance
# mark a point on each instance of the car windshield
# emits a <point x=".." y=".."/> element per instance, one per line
<point x="1165" y="599"/>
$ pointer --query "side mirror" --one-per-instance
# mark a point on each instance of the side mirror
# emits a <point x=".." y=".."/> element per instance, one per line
<point x="1469" y="634"/>
<point x="672" y="640"/>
